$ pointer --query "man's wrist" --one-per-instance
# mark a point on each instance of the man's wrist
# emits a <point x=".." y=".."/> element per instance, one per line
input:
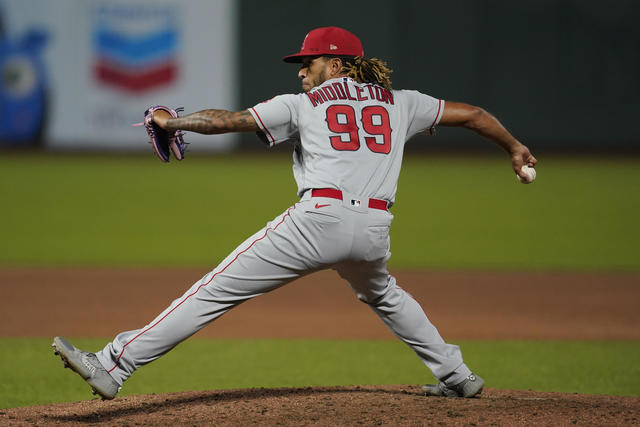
<point x="513" y="147"/>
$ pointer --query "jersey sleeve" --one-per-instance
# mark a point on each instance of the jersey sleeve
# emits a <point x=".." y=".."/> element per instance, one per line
<point x="277" y="118"/>
<point x="423" y="111"/>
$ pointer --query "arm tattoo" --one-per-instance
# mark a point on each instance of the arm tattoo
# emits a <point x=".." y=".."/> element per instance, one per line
<point x="215" y="121"/>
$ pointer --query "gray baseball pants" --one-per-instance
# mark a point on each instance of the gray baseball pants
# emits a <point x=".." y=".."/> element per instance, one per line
<point x="316" y="233"/>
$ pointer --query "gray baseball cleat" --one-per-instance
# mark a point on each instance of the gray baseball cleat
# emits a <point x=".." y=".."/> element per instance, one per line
<point x="87" y="366"/>
<point x="470" y="387"/>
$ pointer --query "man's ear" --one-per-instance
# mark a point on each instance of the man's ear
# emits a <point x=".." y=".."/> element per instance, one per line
<point x="335" y="66"/>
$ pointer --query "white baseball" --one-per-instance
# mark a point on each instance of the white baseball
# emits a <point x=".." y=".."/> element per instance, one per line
<point x="530" y="172"/>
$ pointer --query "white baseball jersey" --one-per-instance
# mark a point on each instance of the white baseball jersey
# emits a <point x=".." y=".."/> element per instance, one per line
<point x="367" y="127"/>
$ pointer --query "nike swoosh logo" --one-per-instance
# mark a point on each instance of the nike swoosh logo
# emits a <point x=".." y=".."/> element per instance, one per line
<point x="322" y="206"/>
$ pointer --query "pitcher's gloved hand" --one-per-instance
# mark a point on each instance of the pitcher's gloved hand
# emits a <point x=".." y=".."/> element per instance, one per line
<point x="164" y="142"/>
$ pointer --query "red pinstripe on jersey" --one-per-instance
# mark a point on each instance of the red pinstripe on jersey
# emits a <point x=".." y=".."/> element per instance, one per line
<point x="437" y="115"/>
<point x="263" y="126"/>
<point x="204" y="284"/>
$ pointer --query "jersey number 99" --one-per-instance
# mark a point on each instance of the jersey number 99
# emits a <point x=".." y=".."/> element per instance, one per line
<point x="375" y="123"/>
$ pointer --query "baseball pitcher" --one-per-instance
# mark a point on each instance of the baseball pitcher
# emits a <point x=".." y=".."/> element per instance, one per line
<point x="348" y="129"/>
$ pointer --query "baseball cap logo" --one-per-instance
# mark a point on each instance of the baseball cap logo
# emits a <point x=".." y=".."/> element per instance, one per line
<point x="333" y="47"/>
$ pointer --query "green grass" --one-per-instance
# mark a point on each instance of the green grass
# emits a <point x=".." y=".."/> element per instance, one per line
<point x="580" y="214"/>
<point x="451" y="213"/>
<point x="32" y="375"/>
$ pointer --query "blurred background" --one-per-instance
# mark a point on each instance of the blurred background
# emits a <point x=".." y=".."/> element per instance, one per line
<point x="562" y="74"/>
<point x="87" y="211"/>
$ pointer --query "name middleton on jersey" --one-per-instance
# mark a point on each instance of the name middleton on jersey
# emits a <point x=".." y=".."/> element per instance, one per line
<point x="340" y="90"/>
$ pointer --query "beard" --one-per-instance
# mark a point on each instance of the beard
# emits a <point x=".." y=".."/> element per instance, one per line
<point x="321" y="78"/>
<point x="317" y="81"/>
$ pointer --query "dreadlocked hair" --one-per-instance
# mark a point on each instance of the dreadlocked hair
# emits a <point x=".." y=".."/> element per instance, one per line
<point x="371" y="70"/>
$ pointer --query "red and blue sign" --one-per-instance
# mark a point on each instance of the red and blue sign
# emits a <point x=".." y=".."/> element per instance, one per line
<point x="136" y="46"/>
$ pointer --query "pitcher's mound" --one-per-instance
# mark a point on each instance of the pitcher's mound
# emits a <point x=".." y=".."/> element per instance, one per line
<point x="353" y="405"/>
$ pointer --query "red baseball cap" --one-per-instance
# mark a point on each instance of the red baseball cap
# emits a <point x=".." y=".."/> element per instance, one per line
<point x="328" y="41"/>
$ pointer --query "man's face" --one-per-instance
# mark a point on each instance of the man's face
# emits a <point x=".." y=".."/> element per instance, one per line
<point x="313" y="72"/>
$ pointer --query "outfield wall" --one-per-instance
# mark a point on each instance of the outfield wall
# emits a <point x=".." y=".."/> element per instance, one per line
<point x="558" y="73"/>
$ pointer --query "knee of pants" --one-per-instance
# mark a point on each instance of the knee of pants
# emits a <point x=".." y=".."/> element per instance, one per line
<point x="391" y="296"/>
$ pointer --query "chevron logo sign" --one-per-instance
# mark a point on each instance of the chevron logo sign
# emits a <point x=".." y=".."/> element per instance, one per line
<point x="135" y="46"/>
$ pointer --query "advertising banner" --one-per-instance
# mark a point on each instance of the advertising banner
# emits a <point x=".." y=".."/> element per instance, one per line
<point x="96" y="65"/>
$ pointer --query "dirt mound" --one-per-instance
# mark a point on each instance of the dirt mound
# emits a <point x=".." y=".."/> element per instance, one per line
<point x="367" y="405"/>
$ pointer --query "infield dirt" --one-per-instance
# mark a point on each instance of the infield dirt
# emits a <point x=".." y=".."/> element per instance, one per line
<point x="461" y="305"/>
